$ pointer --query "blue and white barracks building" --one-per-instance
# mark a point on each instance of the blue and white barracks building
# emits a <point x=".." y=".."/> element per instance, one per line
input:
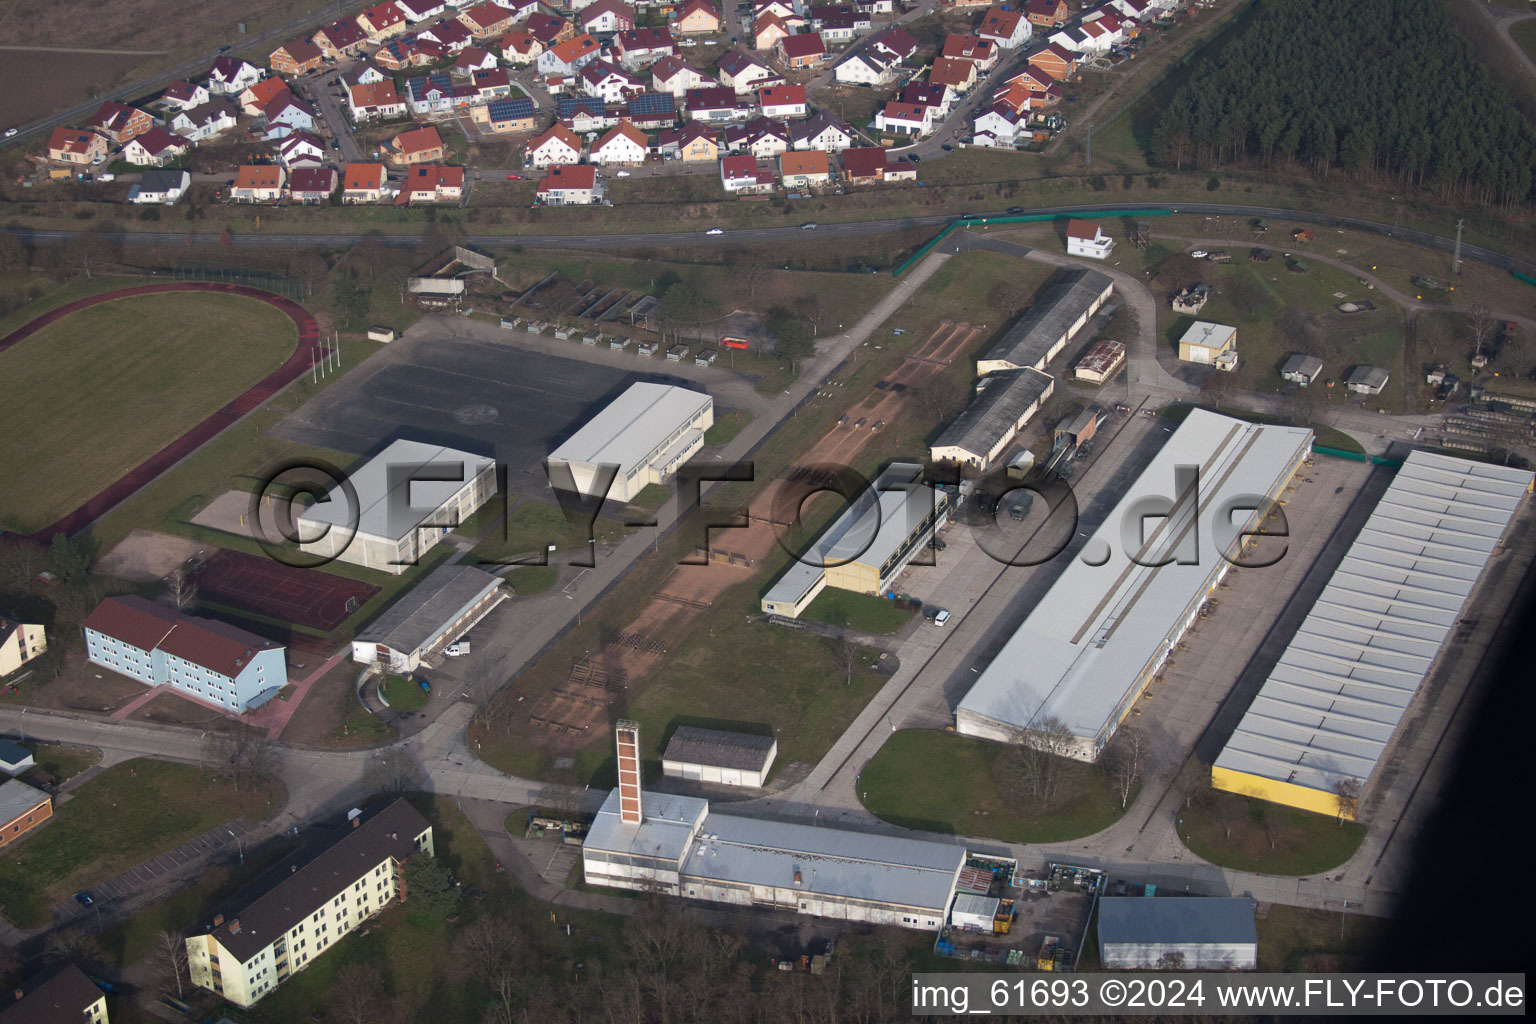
<point x="207" y="660"/>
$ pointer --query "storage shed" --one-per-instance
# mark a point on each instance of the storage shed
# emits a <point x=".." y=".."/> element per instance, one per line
<point x="715" y="755"/>
<point x="1177" y="933"/>
<point x="974" y="912"/>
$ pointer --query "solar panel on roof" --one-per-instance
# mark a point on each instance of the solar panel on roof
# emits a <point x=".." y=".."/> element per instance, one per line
<point x="510" y="110"/>
<point x="653" y="103"/>
<point x="572" y="105"/>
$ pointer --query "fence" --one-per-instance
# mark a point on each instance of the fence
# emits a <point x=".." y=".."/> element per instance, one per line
<point x="263" y="279"/>
<point x="1022" y="218"/>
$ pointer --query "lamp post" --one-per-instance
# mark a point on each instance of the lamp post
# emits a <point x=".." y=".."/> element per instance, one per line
<point x="239" y="843"/>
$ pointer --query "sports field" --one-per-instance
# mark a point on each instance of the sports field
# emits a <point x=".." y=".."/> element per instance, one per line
<point x="89" y="397"/>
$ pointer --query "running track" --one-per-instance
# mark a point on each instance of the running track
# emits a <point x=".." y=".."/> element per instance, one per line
<point x="208" y="429"/>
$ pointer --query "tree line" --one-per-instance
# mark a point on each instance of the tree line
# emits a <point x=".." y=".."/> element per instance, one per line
<point x="1384" y="90"/>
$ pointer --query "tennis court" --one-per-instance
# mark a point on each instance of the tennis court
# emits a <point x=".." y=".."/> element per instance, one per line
<point x="306" y="597"/>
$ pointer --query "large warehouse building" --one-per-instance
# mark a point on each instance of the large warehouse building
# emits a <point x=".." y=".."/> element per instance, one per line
<point x="398" y="518"/>
<point x="1177" y="933"/>
<point x="1060" y="310"/>
<point x="1320" y="723"/>
<point x="866" y="548"/>
<point x="676" y="845"/>
<point x="647" y="433"/>
<point x="437" y="611"/>
<point x="1094" y="642"/>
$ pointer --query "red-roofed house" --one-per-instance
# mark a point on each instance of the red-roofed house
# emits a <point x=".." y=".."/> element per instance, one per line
<point x="451" y="35"/>
<point x="559" y="145"/>
<point x="181" y="95"/>
<point x="1085" y="238"/>
<point x="568" y="57"/>
<point x="740" y="176"/>
<point x="207" y="660"/>
<point x="255" y="99"/>
<point x="381" y="22"/>
<point x="958" y="74"/>
<point x="782" y="102"/>
<point x="295" y="57"/>
<point x="421" y="10"/>
<point x="301" y="149"/>
<point x="520" y="48"/>
<point x="768" y="31"/>
<point x="1006" y="27"/>
<point x="696" y="17"/>
<point x="800" y="168"/>
<point x="1047" y="13"/>
<point x="431" y="184"/>
<point x="983" y="52"/>
<point x="606" y="17"/>
<point x="415" y="146"/>
<point x="375" y="102"/>
<point x="801" y="51"/>
<point x="673" y="75"/>
<point x="905" y="119"/>
<point x="570" y="185"/>
<point x="312" y="184"/>
<point x="155" y="148"/>
<point x="642" y="46"/>
<point x="624" y="146"/>
<point x="120" y="123"/>
<point x="340" y="38"/>
<point x="363" y="183"/>
<point x="76" y="146"/>
<point x="258" y="183"/>
<point x="871" y="165"/>
<point x="286" y="113"/>
<point x="487" y="19"/>
<point x="1055" y="60"/>
<point x="470" y="60"/>
<point x="548" y="29"/>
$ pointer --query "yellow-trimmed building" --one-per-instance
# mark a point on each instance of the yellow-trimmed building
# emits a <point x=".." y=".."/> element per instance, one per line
<point x="246" y="953"/>
<point x="1319" y="725"/>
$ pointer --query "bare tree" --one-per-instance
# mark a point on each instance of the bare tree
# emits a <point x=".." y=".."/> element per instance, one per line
<point x="1194" y="781"/>
<point x="180" y="587"/>
<point x="1039" y="763"/>
<point x="74" y="945"/>
<point x="241" y="757"/>
<point x="392" y="772"/>
<point x="1480" y="326"/>
<point x="1267" y="817"/>
<point x="941" y="398"/>
<point x="848" y="651"/>
<point x="357" y="992"/>
<point x="489" y="944"/>
<point x="168" y="958"/>
<point x="1123" y="762"/>
<point x="1225" y="813"/>
<point x="20" y="561"/>
<point x="1346" y="799"/>
<point x="86" y="252"/>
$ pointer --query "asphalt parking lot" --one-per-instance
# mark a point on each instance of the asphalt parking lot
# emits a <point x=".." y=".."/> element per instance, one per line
<point x="512" y="402"/>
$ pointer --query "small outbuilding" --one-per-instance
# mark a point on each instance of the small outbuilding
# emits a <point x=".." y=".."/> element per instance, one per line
<point x="1367" y="380"/>
<point x="14" y="758"/>
<point x="384" y="334"/>
<point x="1301" y="369"/>
<point x="717" y="756"/>
<point x="1177" y="933"/>
<point x="973" y="912"/>
<point x="1205" y="342"/>
<point x="437" y="611"/>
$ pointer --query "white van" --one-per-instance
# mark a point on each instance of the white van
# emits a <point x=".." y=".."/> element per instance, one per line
<point x="941" y="616"/>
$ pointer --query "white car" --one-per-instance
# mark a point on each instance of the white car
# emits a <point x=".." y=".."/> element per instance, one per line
<point x="1199" y="254"/>
<point x="715" y="231"/>
<point x="622" y="174"/>
<point x="11" y="132"/>
<point x="941" y="616"/>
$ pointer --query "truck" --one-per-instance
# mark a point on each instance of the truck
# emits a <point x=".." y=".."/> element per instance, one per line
<point x="457" y="649"/>
<point x="1045" y="960"/>
<point x="1002" y="921"/>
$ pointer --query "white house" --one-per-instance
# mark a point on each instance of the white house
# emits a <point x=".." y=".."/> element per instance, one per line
<point x="160" y="188"/>
<point x="609" y="82"/>
<point x="864" y="68"/>
<point x="1086" y="238"/>
<point x="909" y="119"/>
<point x="570" y="185"/>
<point x="559" y="145"/>
<point x="744" y="73"/>
<point x="766" y="139"/>
<point x="1006" y="27"/>
<point x="782" y="102"/>
<point x="821" y="131"/>
<point x="301" y="149"/>
<point x="739" y="176"/>
<point x="205" y="121"/>
<point x="624" y="145"/>
<point x="180" y="95"/>
<point x="230" y="76"/>
<point x="1000" y="122"/>
<point x="155" y="148"/>
<point x="671" y="75"/>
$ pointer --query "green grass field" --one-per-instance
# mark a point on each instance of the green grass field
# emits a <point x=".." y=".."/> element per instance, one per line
<point x="402" y="694"/>
<point x="943" y="782"/>
<point x="861" y="612"/>
<point x="86" y="399"/>
<point x="529" y="580"/>
<point x="112" y="823"/>
<point x="1245" y="834"/>
<point x="727" y="425"/>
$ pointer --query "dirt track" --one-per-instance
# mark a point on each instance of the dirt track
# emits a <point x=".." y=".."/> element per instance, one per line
<point x="573" y="714"/>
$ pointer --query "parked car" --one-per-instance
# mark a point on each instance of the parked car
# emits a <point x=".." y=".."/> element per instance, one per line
<point x="947" y="148"/>
<point x="914" y="158"/>
<point x="1014" y="211"/>
<point x="941" y="616"/>
<point x="84" y="898"/>
<point x="514" y="177"/>
<point x="11" y="132"/>
<point x="1199" y="254"/>
<point x="715" y="231"/>
<point x="809" y="225"/>
<point x="622" y="174"/>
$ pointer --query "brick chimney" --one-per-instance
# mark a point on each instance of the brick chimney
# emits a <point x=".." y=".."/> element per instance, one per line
<point x="627" y="736"/>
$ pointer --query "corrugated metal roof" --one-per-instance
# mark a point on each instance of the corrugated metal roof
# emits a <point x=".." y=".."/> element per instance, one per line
<point x="719" y="749"/>
<point x="1000" y="400"/>
<point x="833" y="862"/>
<point x="1064" y="298"/>
<point x="1172" y="920"/>
<point x="1082" y="648"/>
<point x="665" y="829"/>
<point x="632" y="426"/>
<point x="415" y="501"/>
<point x="1334" y="699"/>
<point x="419" y="618"/>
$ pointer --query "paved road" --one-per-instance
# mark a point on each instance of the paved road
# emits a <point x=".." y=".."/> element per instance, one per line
<point x="1503" y="20"/>
<point x="1439" y="243"/>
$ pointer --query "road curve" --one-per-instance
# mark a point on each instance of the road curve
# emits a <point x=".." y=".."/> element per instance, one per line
<point x="1475" y="253"/>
